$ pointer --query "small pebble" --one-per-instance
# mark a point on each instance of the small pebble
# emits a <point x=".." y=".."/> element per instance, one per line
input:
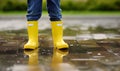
<point x="89" y="52"/>
<point x="18" y="61"/>
<point x="99" y="54"/>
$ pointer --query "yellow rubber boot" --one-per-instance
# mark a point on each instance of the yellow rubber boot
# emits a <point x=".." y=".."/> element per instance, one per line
<point x="32" y="35"/>
<point x="57" y="34"/>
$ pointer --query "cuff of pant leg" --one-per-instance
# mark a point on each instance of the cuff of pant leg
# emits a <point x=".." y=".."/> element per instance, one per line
<point x="32" y="20"/>
<point x="55" y="19"/>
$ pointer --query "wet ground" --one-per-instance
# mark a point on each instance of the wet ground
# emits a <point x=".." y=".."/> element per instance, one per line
<point x="90" y="49"/>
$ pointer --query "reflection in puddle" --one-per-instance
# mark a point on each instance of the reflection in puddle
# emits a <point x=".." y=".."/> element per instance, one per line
<point x="57" y="61"/>
<point x="57" y="58"/>
<point x="33" y="63"/>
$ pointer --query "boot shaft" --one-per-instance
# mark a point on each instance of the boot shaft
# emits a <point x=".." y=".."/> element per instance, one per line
<point x="32" y="30"/>
<point x="57" y="30"/>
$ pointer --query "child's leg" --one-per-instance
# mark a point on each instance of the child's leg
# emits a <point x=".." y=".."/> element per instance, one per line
<point x="34" y="9"/>
<point x="53" y="7"/>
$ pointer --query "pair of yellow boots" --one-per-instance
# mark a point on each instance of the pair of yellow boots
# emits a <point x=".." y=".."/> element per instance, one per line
<point x="57" y="34"/>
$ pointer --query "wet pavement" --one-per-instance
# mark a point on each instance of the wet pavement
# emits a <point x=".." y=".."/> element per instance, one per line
<point x="88" y="51"/>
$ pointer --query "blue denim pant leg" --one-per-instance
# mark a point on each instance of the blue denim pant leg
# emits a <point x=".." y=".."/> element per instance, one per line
<point x="34" y="10"/>
<point x="53" y="7"/>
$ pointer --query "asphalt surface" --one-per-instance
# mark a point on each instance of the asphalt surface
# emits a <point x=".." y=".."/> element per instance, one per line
<point x="19" y="22"/>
